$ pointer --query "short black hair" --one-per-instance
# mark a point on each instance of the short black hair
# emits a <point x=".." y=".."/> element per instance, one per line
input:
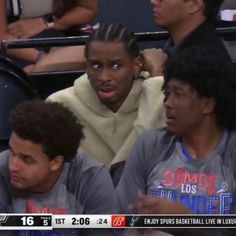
<point x="49" y="124"/>
<point x="212" y="75"/>
<point x="212" y="8"/>
<point x="114" y="32"/>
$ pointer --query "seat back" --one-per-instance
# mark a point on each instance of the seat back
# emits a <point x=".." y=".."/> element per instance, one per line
<point x="14" y="88"/>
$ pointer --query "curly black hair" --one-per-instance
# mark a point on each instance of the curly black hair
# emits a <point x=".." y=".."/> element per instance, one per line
<point x="212" y="75"/>
<point x="49" y="124"/>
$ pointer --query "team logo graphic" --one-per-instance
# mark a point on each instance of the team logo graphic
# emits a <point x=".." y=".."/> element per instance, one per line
<point x="133" y="220"/>
<point x="3" y="219"/>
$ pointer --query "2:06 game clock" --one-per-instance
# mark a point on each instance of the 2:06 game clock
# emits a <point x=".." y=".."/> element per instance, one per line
<point x="81" y="221"/>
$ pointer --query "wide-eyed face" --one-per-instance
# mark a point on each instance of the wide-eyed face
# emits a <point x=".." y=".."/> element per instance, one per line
<point x="169" y="13"/>
<point x="111" y="71"/>
<point x="185" y="109"/>
<point x="30" y="168"/>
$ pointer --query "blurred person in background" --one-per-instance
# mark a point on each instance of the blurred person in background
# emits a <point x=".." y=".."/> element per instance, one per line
<point x="47" y="18"/>
<point x="189" y="23"/>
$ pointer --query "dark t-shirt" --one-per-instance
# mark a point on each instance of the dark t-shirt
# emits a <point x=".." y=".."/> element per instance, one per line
<point x="204" y="35"/>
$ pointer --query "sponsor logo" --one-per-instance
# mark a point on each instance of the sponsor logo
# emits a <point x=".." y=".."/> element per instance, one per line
<point x="118" y="221"/>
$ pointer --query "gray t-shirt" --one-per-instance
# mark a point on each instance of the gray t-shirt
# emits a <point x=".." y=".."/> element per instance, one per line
<point x="160" y="166"/>
<point x="84" y="187"/>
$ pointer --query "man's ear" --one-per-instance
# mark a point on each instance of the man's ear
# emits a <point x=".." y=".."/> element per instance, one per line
<point x="56" y="163"/>
<point x="195" y="6"/>
<point x="209" y="105"/>
<point x="137" y="65"/>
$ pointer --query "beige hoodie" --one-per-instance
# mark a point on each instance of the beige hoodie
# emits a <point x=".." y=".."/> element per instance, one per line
<point x="109" y="136"/>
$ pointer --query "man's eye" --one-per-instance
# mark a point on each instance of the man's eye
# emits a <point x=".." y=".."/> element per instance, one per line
<point x="27" y="159"/>
<point x="179" y="94"/>
<point x="95" y="66"/>
<point x="166" y="93"/>
<point x="115" y="66"/>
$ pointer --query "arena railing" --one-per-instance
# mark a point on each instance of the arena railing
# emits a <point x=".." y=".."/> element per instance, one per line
<point x="45" y="81"/>
<point x="80" y="40"/>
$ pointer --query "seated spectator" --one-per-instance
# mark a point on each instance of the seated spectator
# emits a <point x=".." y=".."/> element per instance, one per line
<point x="188" y="166"/>
<point x="189" y="23"/>
<point x="48" y="18"/>
<point x="41" y="173"/>
<point x="114" y="102"/>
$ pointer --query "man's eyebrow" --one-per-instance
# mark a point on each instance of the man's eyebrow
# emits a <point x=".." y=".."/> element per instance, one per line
<point x="93" y="59"/>
<point x="117" y="58"/>
<point x="176" y="87"/>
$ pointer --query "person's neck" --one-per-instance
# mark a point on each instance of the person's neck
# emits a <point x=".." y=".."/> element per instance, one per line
<point x="181" y="31"/>
<point x="202" y="141"/>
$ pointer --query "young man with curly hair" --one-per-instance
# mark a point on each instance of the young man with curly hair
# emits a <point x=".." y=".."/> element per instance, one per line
<point x="189" y="166"/>
<point x="42" y="172"/>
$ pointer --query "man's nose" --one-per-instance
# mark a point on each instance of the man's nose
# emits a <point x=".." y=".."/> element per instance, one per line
<point x="105" y="75"/>
<point x="168" y="102"/>
<point x="14" y="163"/>
<point x="154" y="2"/>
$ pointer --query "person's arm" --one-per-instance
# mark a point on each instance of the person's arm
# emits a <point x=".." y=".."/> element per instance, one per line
<point x="30" y="54"/>
<point x="61" y="58"/>
<point x="153" y="61"/>
<point x="81" y="14"/>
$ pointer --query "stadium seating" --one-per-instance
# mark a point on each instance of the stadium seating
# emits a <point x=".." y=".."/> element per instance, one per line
<point x="14" y="88"/>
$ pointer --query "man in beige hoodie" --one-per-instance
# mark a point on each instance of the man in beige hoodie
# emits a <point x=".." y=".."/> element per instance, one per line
<point x="113" y="102"/>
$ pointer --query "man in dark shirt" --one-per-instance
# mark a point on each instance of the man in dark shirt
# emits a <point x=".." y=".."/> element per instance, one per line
<point x="190" y="23"/>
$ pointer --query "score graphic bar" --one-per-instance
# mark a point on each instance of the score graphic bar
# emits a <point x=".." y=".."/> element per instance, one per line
<point x="50" y="222"/>
<point x="144" y="221"/>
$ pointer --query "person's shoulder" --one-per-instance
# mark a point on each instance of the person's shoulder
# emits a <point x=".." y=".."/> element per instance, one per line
<point x="4" y="156"/>
<point x="70" y="92"/>
<point x="61" y="95"/>
<point x="228" y="145"/>
<point x="231" y="139"/>
<point x="154" y="136"/>
<point x="85" y="169"/>
<point x="84" y="163"/>
<point x="82" y="171"/>
<point x="85" y="175"/>
<point x="228" y="150"/>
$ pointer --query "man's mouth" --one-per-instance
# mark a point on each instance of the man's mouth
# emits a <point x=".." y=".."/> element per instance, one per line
<point x="155" y="13"/>
<point x="16" y="178"/>
<point x="169" y="119"/>
<point x="106" y="92"/>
